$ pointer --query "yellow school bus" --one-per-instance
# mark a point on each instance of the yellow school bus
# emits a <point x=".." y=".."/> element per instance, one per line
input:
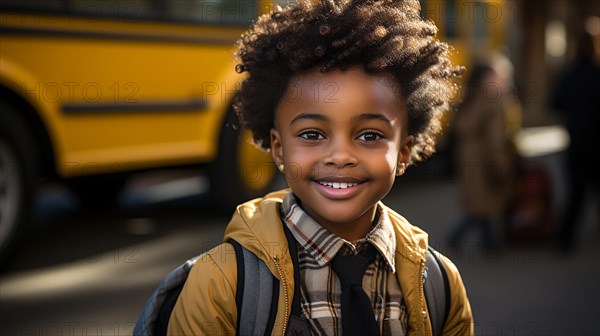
<point x="474" y="28"/>
<point x="91" y="91"/>
<point x="94" y="90"/>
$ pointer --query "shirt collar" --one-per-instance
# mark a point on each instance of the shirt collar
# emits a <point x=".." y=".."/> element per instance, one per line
<point x="323" y="245"/>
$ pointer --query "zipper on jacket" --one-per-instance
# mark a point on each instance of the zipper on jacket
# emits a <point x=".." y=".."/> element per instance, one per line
<point x="422" y="286"/>
<point x="285" y="294"/>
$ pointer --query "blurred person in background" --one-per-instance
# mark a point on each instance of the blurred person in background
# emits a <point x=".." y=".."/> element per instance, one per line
<point x="484" y="151"/>
<point x="577" y="99"/>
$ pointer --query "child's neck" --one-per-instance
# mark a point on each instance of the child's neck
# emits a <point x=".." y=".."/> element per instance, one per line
<point x="352" y="231"/>
<point x="349" y="235"/>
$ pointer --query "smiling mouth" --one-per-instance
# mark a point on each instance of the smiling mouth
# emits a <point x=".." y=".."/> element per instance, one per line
<point x="337" y="185"/>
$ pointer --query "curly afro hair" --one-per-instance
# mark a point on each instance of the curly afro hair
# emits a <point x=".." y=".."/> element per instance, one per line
<point x="378" y="36"/>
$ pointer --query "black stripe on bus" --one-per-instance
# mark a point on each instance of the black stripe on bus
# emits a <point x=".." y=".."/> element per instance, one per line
<point x="158" y="16"/>
<point x="68" y="33"/>
<point x="91" y="108"/>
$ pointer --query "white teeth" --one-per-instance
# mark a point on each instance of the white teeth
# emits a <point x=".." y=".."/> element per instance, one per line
<point x="338" y="185"/>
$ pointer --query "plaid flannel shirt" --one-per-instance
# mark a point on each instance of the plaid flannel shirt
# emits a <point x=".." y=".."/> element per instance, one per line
<point x="320" y="288"/>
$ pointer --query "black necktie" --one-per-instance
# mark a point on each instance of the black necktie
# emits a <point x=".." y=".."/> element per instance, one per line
<point x="358" y="317"/>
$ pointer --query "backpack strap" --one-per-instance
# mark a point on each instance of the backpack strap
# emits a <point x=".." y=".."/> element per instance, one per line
<point x="437" y="291"/>
<point x="257" y="294"/>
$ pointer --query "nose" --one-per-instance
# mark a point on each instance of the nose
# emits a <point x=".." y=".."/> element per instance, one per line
<point x="340" y="154"/>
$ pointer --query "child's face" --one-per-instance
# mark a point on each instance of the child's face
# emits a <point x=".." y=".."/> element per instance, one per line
<point x="341" y="136"/>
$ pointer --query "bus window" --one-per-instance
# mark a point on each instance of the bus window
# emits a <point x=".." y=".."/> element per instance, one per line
<point x="209" y="12"/>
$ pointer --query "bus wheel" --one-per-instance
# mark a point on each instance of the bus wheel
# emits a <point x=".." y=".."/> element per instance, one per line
<point x="18" y="179"/>
<point x="242" y="171"/>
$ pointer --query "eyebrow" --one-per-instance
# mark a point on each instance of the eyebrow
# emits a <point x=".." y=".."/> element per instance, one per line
<point x="309" y="116"/>
<point x="362" y="117"/>
<point x="373" y="116"/>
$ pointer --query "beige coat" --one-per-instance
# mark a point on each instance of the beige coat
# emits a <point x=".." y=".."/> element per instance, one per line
<point x="207" y="304"/>
<point x="484" y="156"/>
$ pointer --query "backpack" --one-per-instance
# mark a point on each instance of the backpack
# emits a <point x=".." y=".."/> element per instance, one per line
<point x="257" y="307"/>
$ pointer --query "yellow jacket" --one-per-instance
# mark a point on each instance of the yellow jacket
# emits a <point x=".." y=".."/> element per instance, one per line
<point x="207" y="303"/>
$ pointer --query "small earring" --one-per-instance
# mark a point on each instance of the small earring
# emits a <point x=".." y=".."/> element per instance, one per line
<point x="400" y="169"/>
<point x="281" y="168"/>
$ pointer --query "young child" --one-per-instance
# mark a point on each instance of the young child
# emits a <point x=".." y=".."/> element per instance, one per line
<point x="346" y="94"/>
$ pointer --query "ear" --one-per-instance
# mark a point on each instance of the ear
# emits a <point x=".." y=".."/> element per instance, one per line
<point x="406" y="146"/>
<point x="276" y="147"/>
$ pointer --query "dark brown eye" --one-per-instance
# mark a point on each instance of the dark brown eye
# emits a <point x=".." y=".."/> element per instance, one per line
<point x="370" y="136"/>
<point x="311" y="135"/>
